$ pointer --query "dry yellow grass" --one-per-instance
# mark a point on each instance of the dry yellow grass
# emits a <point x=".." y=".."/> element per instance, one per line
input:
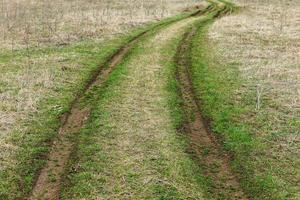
<point x="25" y="82"/>
<point x="33" y="23"/>
<point x="263" y="40"/>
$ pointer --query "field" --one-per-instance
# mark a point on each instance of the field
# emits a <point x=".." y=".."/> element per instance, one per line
<point x="156" y="99"/>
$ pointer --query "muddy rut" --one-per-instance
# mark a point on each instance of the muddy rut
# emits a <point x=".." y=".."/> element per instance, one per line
<point x="203" y="145"/>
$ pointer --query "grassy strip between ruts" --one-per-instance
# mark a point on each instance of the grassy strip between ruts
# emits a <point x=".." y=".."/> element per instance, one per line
<point x="35" y="144"/>
<point x="91" y="159"/>
<point x="215" y="85"/>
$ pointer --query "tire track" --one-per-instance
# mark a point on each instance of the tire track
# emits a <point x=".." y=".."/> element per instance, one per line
<point x="203" y="145"/>
<point x="50" y="178"/>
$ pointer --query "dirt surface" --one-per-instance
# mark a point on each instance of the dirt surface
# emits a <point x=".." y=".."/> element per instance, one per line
<point x="203" y="145"/>
<point x="49" y="180"/>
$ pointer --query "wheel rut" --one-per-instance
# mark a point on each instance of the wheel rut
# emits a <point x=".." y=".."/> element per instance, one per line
<point x="203" y="145"/>
<point x="49" y="180"/>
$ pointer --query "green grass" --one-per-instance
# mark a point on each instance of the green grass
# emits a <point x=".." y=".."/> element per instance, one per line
<point x="215" y="84"/>
<point x="42" y="126"/>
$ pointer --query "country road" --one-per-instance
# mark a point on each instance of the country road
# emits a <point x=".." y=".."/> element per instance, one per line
<point x="137" y="132"/>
